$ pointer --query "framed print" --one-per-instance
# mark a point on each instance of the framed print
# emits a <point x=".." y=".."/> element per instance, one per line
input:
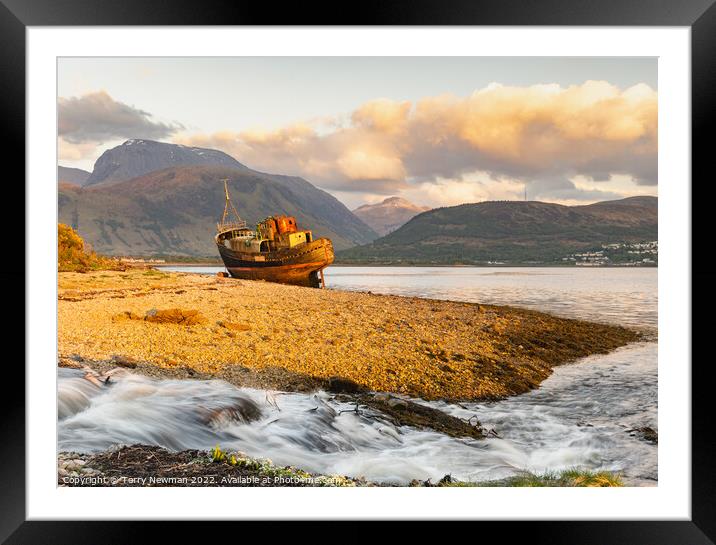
<point x="429" y="263"/>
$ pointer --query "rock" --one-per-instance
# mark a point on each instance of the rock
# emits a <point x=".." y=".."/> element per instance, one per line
<point x="236" y="326"/>
<point x="174" y="316"/>
<point x="447" y="479"/>
<point x="222" y="274"/>
<point x="72" y="364"/>
<point x="646" y="433"/>
<point x="404" y="412"/>
<point x="241" y="410"/>
<point x="126" y="315"/>
<point x="341" y="385"/>
<point x="123" y="361"/>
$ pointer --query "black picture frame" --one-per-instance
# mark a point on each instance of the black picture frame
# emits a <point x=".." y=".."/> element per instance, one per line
<point x="699" y="15"/>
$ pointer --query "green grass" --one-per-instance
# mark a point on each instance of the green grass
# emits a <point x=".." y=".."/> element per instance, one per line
<point x="266" y="468"/>
<point x="568" y="478"/>
<point x="155" y="273"/>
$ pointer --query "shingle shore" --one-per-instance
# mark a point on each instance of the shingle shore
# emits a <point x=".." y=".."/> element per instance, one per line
<point x="295" y="338"/>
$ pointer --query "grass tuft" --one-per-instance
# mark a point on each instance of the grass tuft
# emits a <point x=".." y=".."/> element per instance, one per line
<point x="568" y="478"/>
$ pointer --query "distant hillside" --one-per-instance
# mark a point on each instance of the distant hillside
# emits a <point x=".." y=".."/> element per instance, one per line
<point x="385" y="217"/>
<point x="137" y="157"/>
<point x="174" y="211"/>
<point x="512" y="232"/>
<point x="69" y="175"/>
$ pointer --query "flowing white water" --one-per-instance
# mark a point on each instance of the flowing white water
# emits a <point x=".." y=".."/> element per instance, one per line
<point x="308" y="431"/>
<point x="580" y="416"/>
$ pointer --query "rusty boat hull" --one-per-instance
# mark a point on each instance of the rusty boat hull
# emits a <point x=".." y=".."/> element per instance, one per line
<point x="300" y="266"/>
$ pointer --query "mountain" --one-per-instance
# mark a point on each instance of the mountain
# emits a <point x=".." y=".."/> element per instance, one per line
<point x="512" y="232"/>
<point x="134" y="158"/>
<point x="69" y="175"/>
<point x="174" y="211"/>
<point x="388" y="215"/>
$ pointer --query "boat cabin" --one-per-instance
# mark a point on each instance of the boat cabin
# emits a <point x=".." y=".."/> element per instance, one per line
<point x="274" y="233"/>
<point x="281" y="232"/>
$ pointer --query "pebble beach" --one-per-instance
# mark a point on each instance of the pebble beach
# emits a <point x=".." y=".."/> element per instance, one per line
<point x="260" y="334"/>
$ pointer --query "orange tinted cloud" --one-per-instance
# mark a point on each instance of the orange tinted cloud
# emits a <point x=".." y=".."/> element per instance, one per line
<point x="538" y="132"/>
<point x="383" y="115"/>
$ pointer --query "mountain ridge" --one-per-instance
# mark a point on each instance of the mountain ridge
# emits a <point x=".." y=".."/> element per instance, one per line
<point x="510" y="232"/>
<point x="136" y="157"/>
<point x="71" y="175"/>
<point x="174" y="211"/>
<point x="388" y="215"/>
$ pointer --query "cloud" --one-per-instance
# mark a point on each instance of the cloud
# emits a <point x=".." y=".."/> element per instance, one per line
<point x="96" y="118"/>
<point x="383" y="115"/>
<point x="564" y="191"/>
<point x="624" y="186"/>
<point x="76" y="152"/>
<point x="469" y="188"/>
<point x="540" y="135"/>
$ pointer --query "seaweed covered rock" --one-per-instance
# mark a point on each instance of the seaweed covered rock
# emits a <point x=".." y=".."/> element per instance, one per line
<point x="164" y="316"/>
<point x="174" y="316"/>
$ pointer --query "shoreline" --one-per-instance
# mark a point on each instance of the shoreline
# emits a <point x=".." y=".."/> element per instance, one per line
<point x="187" y="264"/>
<point x="290" y="338"/>
<point x="492" y="265"/>
<point x="406" y="265"/>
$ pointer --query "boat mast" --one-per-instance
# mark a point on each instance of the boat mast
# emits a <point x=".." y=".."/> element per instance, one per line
<point x="229" y="206"/>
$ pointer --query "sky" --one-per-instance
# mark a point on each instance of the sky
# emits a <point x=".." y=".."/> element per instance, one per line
<point x="438" y="131"/>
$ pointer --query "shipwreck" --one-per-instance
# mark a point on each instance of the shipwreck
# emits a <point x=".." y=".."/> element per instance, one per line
<point x="275" y="251"/>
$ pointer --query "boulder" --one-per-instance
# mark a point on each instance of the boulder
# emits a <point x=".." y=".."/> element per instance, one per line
<point x="340" y="385"/>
